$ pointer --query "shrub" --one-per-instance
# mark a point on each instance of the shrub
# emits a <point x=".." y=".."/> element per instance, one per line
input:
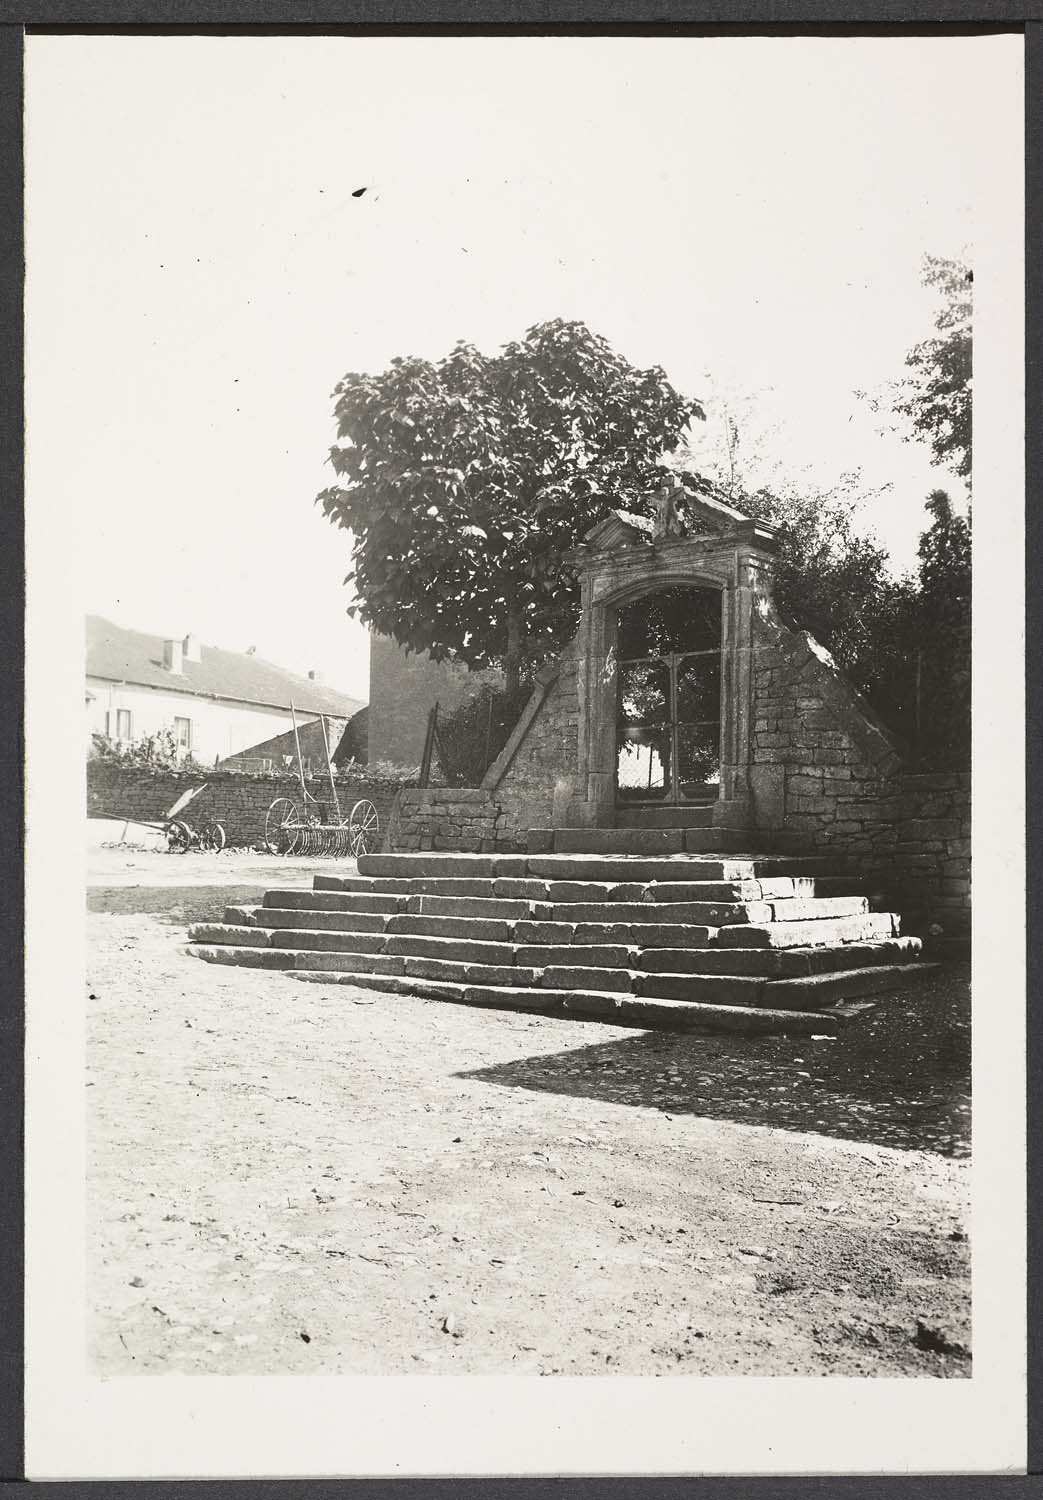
<point x="472" y="736"/>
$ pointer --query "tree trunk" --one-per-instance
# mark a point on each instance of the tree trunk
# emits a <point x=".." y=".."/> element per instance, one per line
<point x="515" y="642"/>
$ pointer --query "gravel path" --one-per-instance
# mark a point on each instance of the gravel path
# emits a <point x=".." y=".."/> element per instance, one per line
<point x="300" y="1178"/>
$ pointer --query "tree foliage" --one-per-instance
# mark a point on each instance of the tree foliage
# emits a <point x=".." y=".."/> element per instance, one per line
<point x="834" y="581"/>
<point x="464" y="482"/>
<point x="935" y="398"/>
<point x="945" y="565"/>
<point x="472" y="735"/>
<point x="941" y="620"/>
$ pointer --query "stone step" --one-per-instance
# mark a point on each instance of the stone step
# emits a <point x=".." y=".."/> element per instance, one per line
<point x="633" y="934"/>
<point x="619" y="868"/>
<point x="766" y="888"/>
<point x="330" y="921"/>
<point x="304" y="940"/>
<point x="227" y="932"/>
<point x="826" y="989"/>
<point x="458" y="866"/>
<point x="693" y="815"/>
<point x="469" y="906"/>
<point x="631" y="928"/>
<point x="801" y="934"/>
<point x="623" y="1010"/>
<point x="449" y="947"/>
<point x="335" y="901"/>
<point x="567" y="949"/>
<point x="781" y="963"/>
<point x="483" y="929"/>
<point x="636" y="840"/>
<point x="663" y="1013"/>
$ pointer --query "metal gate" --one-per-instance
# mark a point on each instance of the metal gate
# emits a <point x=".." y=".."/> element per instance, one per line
<point x="668" y="727"/>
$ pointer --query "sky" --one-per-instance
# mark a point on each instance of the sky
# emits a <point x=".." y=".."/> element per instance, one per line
<point x="751" y="214"/>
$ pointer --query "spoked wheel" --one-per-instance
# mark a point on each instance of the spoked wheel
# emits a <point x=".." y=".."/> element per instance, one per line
<point x="363" y="828"/>
<point x="212" y="837"/>
<point x="281" y="827"/>
<point x="179" y="838"/>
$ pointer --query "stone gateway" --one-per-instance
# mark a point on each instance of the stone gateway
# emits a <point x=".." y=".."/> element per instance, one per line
<point x="691" y="825"/>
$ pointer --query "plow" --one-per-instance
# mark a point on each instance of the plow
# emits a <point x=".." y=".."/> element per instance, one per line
<point x="306" y="825"/>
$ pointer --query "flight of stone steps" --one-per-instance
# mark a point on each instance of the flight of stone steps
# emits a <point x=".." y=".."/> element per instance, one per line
<point x="702" y="942"/>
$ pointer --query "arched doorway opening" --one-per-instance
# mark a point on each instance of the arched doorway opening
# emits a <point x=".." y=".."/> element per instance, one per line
<point x="668" y="698"/>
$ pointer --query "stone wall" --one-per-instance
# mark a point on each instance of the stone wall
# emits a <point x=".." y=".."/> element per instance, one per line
<point x="450" y="818"/>
<point x="825" y="768"/>
<point x="815" y="742"/>
<point x="237" y="800"/>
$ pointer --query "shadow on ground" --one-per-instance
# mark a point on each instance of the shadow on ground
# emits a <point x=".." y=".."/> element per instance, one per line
<point x="898" y="1076"/>
<point x="178" y="905"/>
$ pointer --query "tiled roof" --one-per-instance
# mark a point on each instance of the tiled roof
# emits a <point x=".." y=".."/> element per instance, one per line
<point x="120" y="655"/>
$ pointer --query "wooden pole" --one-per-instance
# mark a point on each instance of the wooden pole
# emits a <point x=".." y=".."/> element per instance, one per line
<point x="329" y="766"/>
<point x="300" y="763"/>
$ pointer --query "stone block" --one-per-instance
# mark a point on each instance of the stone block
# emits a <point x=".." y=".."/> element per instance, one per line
<point x="803" y="785"/>
<point x="506" y="997"/>
<point x="584" y="955"/>
<point x="826" y="989"/>
<point x="695" y="913"/>
<point x="250" y="958"/>
<point x="797" y="934"/>
<point x="468" y="906"/>
<point x="670" y="934"/>
<point x="462" y="949"/>
<point x="566" y="977"/>
<point x="218" y="932"/>
<point x="349" y="963"/>
<point x="332" y="921"/>
<point x="469" y="973"/>
<point x="485" y="929"/>
<point x="729" y="891"/>
<point x="516" y="888"/>
<point x="325" y="942"/>
<point x="713" y="989"/>
<point x="544" y="932"/>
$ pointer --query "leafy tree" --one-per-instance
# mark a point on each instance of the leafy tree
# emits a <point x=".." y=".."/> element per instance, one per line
<point x="835" y="582"/>
<point x="464" y="482"/>
<point x="942" y="634"/>
<point x="935" y="398"/>
<point x="945" y="564"/>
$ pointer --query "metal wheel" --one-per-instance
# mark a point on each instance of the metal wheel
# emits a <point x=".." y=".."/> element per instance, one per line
<point x="212" y="836"/>
<point x="281" y="827"/>
<point x="179" y="838"/>
<point x="363" y="828"/>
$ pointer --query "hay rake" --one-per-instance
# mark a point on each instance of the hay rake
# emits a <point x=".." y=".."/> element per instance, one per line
<point x="307" y="828"/>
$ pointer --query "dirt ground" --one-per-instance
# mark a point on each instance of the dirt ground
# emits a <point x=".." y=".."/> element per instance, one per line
<point x="304" y="1178"/>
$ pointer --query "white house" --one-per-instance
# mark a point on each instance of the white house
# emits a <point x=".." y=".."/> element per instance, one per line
<point x="217" y="703"/>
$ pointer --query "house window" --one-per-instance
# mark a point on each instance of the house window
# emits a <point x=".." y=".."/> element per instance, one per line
<point x="123" y="724"/>
<point x="183" y="733"/>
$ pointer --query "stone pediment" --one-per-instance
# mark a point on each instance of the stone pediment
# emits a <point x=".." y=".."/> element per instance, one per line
<point x="680" y="515"/>
<point x="620" y="528"/>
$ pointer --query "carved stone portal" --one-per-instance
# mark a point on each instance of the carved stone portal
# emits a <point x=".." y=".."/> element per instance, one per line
<point x="698" y="543"/>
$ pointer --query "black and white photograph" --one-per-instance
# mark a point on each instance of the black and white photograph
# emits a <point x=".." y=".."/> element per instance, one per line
<point x="506" y="725"/>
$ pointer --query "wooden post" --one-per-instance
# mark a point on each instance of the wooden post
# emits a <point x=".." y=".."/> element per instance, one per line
<point x="429" y="745"/>
<point x="329" y="766"/>
<point x="300" y="763"/>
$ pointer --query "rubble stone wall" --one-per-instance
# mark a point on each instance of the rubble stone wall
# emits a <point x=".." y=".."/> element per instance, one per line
<point x="237" y="800"/>
<point x="825" y="768"/>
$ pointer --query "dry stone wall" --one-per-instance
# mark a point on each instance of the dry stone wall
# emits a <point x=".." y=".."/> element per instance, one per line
<point x="824" y="767"/>
<point x="237" y="800"/>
